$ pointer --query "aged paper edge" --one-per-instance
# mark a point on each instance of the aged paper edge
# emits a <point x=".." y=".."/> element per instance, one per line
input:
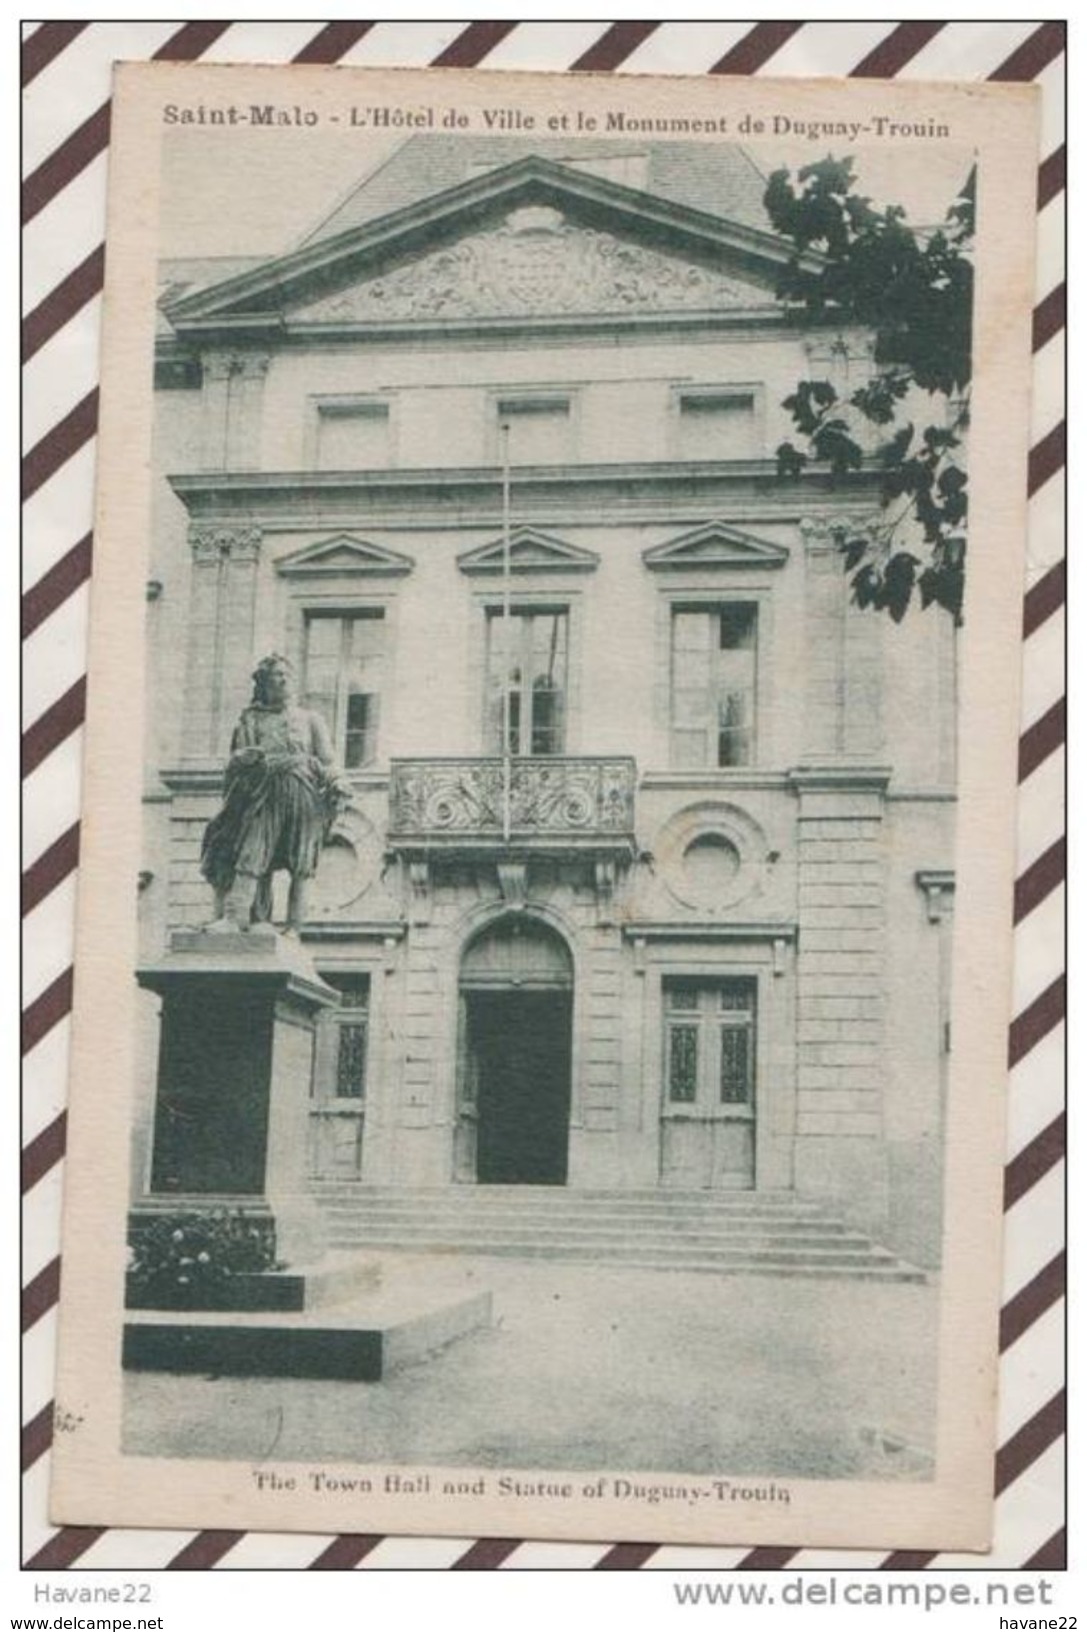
<point x="93" y="1482"/>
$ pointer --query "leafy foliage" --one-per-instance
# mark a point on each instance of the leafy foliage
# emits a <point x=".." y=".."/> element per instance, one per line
<point x="853" y="265"/>
<point x="187" y="1259"/>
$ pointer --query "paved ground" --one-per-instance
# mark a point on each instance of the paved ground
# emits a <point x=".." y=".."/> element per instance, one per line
<point x="616" y="1368"/>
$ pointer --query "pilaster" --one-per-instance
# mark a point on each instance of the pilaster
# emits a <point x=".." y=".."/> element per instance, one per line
<point x="841" y="979"/>
<point x="843" y="664"/>
<point x="221" y="612"/>
<point x="233" y="400"/>
<point x="245" y="409"/>
<point x="217" y="370"/>
<point x="239" y="616"/>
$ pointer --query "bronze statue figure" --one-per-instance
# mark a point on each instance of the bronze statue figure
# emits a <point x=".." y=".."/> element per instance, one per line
<point x="281" y="794"/>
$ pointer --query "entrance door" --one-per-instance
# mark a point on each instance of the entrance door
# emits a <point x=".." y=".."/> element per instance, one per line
<point x="519" y="1048"/>
<point x="514" y="1055"/>
<point x="708" y="1104"/>
<point x="338" y="1098"/>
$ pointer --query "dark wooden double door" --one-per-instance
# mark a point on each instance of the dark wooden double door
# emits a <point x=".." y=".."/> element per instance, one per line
<point x="519" y="1054"/>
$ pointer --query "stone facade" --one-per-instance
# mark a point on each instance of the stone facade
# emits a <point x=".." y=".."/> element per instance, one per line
<point x="711" y="885"/>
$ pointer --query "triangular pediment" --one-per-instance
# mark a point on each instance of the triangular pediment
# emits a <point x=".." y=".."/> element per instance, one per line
<point x="535" y="262"/>
<point x="533" y="239"/>
<point x="344" y="557"/>
<point x="529" y="551"/>
<point x="714" y="545"/>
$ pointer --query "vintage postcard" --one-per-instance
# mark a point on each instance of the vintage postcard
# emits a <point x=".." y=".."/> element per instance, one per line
<point x="544" y="949"/>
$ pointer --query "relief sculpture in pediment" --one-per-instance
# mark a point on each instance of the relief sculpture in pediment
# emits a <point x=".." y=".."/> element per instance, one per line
<point x="535" y="263"/>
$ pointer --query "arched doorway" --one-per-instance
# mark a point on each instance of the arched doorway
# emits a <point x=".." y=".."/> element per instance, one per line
<point x="516" y="991"/>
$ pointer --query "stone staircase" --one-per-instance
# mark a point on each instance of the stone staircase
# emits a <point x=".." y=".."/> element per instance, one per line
<point x="730" y="1233"/>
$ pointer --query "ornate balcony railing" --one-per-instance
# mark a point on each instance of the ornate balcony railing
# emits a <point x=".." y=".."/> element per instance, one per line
<point x="553" y="803"/>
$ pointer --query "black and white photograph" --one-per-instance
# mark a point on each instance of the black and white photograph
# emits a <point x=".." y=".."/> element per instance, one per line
<point x="551" y="609"/>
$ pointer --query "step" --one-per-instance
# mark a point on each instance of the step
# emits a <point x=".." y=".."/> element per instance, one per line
<point x="895" y="1271"/>
<point x="665" y="1224"/>
<point x="556" y="1195"/>
<point x="680" y="1218"/>
<point x="633" y="1218"/>
<point x="363" y="1231"/>
<point x="521" y="1201"/>
<point x="857" y="1267"/>
<point x="603" y="1229"/>
<point x="674" y="1257"/>
<point x="772" y="1233"/>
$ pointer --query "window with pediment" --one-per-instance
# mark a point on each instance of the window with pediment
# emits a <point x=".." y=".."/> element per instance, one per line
<point x="714" y="655"/>
<point x="343" y="677"/>
<point x="527" y="657"/>
<point x="341" y="609"/>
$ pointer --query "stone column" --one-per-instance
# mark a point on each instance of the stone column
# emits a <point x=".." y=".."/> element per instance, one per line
<point x="840" y="1135"/>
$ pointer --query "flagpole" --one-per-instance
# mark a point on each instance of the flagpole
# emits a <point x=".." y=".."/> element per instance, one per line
<point x="507" y="767"/>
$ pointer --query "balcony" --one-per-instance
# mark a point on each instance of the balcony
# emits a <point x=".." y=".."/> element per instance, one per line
<point x="583" y="805"/>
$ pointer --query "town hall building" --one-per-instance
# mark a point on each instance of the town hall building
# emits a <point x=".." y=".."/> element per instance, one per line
<point x="645" y="879"/>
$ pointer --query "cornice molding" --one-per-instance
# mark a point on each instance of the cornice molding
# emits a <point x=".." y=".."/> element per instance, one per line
<point x="627" y="489"/>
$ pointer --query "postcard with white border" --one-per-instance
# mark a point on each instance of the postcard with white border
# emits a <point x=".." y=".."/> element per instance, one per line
<point x="544" y="951"/>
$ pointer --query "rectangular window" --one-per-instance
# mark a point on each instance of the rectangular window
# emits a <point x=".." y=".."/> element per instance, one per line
<point x="540" y="429"/>
<point x="717" y="425"/>
<point x="526" y="680"/>
<point x="342" y="680"/>
<point x="346" y="1077"/>
<point x="710" y="1051"/>
<point x="714" y="653"/>
<point x="682" y="1063"/>
<point x="353" y="435"/>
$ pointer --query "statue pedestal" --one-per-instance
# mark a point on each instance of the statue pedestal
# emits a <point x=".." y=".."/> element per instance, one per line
<point x="231" y="1130"/>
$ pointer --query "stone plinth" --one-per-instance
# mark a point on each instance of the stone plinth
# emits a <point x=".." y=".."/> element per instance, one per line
<point x="361" y="1343"/>
<point x="233" y="1088"/>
